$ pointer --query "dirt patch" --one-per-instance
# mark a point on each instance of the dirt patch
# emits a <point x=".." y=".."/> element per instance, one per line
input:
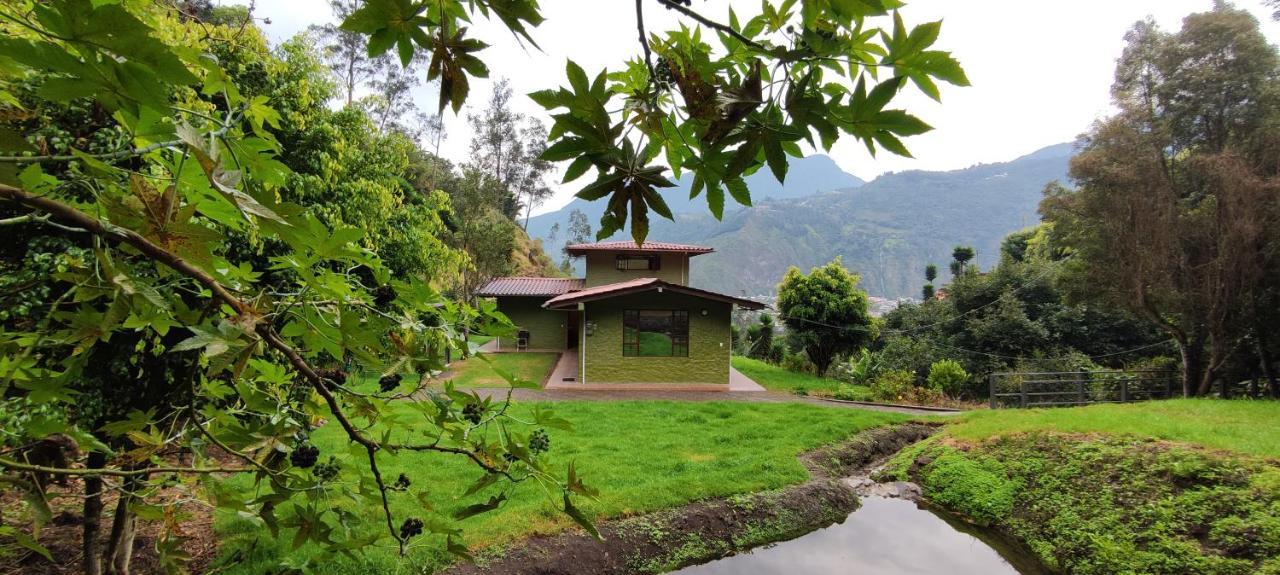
<point x="706" y="530"/>
<point x="62" y="536"/>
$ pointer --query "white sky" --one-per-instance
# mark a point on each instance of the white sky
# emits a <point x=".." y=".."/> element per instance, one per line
<point x="1041" y="69"/>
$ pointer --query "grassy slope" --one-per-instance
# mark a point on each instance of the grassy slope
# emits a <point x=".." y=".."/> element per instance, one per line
<point x="1090" y="492"/>
<point x="1242" y="426"/>
<point x="642" y="456"/>
<point x="775" y="378"/>
<point x="476" y="372"/>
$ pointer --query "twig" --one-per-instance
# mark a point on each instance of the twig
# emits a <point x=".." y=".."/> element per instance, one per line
<point x="678" y="7"/>
<point x="644" y="39"/>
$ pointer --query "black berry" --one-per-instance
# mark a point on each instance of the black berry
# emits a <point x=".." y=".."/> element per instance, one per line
<point x="304" y="455"/>
<point x="335" y="374"/>
<point x="410" y="528"/>
<point x="326" y="471"/>
<point x="389" y="382"/>
<point x="472" y="412"/>
<point x="383" y="296"/>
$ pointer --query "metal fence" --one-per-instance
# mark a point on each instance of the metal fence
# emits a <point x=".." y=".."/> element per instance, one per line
<point x="1065" y="388"/>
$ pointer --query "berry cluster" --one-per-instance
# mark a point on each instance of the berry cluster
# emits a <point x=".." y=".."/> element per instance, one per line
<point x="335" y="374"/>
<point x="389" y="382"/>
<point x="539" y="441"/>
<point x="410" y="528"/>
<point x="326" y="471"/>
<point x="472" y="412"/>
<point x="663" y="74"/>
<point x="304" y="455"/>
<point x="383" y="296"/>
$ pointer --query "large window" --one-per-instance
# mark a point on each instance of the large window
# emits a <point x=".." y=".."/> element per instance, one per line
<point x="653" y="333"/>
<point x="633" y="263"/>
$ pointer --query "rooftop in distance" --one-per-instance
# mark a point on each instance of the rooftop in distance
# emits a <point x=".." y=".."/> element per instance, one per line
<point x="631" y="246"/>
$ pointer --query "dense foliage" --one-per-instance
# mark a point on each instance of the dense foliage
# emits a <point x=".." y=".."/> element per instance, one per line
<point x="211" y="260"/>
<point x="1177" y="212"/>
<point x="825" y="313"/>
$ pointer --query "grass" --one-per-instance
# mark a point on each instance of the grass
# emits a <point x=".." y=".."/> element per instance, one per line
<point x="1247" y="427"/>
<point x="775" y="378"/>
<point x="476" y="372"/>
<point x="1178" y="486"/>
<point x="642" y="456"/>
<point x="480" y="339"/>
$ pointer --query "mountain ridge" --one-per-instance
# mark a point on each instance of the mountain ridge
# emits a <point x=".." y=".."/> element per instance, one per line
<point x="886" y="230"/>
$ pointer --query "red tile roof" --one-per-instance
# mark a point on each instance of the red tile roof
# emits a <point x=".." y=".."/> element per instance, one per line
<point x="630" y="246"/>
<point x="642" y="285"/>
<point x="530" y="286"/>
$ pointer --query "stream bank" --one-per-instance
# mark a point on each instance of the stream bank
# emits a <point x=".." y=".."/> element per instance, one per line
<point x="703" y="531"/>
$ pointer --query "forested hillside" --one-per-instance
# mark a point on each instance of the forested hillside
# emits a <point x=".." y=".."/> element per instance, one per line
<point x="886" y="230"/>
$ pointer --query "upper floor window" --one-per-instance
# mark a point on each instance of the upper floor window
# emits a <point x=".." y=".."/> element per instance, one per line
<point x="638" y="263"/>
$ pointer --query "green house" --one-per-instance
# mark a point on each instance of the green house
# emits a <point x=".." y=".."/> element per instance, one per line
<point x="632" y="322"/>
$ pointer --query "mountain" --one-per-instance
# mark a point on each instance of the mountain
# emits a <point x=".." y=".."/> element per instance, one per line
<point x="805" y="176"/>
<point x="886" y="230"/>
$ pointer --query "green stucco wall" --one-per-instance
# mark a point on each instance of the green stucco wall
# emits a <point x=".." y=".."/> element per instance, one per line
<point x="546" y="328"/>
<point x="602" y="269"/>
<point x="708" y="360"/>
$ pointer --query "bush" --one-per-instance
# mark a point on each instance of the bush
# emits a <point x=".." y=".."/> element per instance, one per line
<point x="799" y="363"/>
<point x="858" y="371"/>
<point x="948" y="376"/>
<point x="777" y="351"/>
<point x="892" y="385"/>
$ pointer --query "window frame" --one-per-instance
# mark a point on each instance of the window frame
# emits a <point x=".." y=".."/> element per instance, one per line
<point x="679" y="335"/>
<point x="652" y="262"/>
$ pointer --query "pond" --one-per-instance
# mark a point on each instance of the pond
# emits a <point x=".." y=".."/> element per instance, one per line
<point x="884" y="537"/>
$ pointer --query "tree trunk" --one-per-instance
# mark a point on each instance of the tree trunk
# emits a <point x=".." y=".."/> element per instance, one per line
<point x="92" y="516"/>
<point x="119" y="550"/>
<point x="1192" y="355"/>
<point x="1268" y="368"/>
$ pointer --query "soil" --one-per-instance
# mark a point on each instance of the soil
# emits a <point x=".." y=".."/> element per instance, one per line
<point x="708" y="530"/>
<point x="62" y="535"/>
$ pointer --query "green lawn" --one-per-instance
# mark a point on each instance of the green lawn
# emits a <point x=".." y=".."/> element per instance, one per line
<point x="642" y="456"/>
<point x="1248" y="427"/>
<point x="479" y="339"/>
<point x="476" y="372"/>
<point x="775" y="378"/>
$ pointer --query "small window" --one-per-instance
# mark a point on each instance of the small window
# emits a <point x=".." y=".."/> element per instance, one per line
<point x="638" y="263"/>
<point x="655" y="333"/>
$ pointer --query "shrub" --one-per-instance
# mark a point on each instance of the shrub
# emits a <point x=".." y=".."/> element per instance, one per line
<point x="850" y="393"/>
<point x="858" y="371"/>
<point x="798" y="362"/>
<point x="892" y="385"/>
<point x="947" y="376"/>
<point x="777" y="351"/>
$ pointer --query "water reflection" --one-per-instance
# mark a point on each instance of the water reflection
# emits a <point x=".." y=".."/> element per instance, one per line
<point x="884" y="537"/>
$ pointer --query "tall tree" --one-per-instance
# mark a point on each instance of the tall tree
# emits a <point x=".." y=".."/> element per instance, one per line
<point x="930" y="274"/>
<point x="1177" y="199"/>
<point x="508" y="147"/>
<point x="577" y="232"/>
<point x="346" y="52"/>
<point x="825" y="313"/>
<point x="960" y="258"/>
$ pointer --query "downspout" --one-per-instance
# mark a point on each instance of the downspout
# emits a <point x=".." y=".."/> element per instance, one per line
<point x="582" y="342"/>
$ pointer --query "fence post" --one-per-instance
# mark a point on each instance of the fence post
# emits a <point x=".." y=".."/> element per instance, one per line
<point x="1124" y="390"/>
<point x="1080" y="387"/>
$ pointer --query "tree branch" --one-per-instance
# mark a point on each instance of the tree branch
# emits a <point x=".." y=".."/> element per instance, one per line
<point x="110" y="156"/>
<point x="681" y="8"/>
<point x="644" y="39"/>
<point x="11" y="464"/>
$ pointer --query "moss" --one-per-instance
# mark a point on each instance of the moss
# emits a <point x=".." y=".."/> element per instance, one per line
<point x="1112" y="504"/>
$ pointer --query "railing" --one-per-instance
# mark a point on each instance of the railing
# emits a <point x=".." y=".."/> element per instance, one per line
<point x="1059" y="388"/>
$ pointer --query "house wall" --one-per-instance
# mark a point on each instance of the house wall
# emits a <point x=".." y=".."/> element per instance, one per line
<point x="708" y="360"/>
<point x="602" y="269"/>
<point x="547" y="329"/>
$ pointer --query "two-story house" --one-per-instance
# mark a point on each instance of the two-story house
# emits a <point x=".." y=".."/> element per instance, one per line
<point x="633" y="321"/>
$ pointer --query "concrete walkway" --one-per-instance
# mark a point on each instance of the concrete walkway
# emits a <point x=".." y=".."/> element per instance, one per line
<point x="678" y="395"/>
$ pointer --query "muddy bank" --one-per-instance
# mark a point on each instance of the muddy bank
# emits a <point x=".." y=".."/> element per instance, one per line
<point x="706" y="530"/>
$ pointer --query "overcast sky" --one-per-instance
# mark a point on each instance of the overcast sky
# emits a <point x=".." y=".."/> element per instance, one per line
<point x="1041" y="70"/>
